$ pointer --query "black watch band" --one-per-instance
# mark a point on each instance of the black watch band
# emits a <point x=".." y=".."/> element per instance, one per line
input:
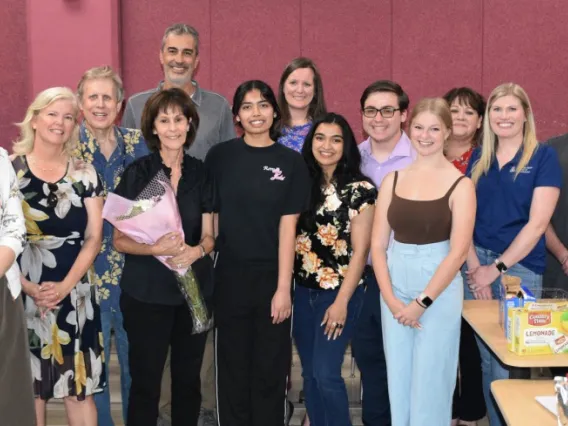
<point x="501" y="267"/>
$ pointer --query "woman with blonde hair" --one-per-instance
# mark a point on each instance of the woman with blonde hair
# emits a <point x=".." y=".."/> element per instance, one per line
<point x="63" y="211"/>
<point x="517" y="185"/>
<point x="430" y="208"/>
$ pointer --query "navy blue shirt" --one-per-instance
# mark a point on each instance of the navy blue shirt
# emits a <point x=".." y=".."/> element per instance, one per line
<point x="504" y="202"/>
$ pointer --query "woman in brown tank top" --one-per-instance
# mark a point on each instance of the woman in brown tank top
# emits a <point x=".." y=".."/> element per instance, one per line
<point x="430" y="207"/>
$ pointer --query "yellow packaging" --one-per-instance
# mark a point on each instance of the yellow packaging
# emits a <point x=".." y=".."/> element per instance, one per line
<point x="540" y="329"/>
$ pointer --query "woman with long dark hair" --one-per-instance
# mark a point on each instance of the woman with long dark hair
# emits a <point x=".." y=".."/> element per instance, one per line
<point x="332" y="246"/>
<point x="262" y="187"/>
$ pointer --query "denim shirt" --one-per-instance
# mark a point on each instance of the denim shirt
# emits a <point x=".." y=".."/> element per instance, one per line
<point x="130" y="145"/>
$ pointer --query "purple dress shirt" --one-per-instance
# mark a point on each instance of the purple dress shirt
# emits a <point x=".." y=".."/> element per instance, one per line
<point x="401" y="156"/>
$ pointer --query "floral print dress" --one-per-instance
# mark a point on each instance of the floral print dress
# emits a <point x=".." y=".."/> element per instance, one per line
<point x="66" y="347"/>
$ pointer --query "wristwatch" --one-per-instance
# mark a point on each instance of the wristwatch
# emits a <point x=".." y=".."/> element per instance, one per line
<point x="423" y="300"/>
<point x="501" y="267"/>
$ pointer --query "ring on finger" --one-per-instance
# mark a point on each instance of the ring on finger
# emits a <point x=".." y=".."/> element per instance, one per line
<point x="340" y="325"/>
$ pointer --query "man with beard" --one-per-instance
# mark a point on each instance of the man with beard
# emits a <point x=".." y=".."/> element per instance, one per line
<point x="179" y="57"/>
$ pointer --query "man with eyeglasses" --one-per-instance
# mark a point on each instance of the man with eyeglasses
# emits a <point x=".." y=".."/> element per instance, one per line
<point x="384" y="107"/>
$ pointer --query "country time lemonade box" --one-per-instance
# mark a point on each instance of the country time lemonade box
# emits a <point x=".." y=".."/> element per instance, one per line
<point x="513" y="295"/>
<point x="540" y="328"/>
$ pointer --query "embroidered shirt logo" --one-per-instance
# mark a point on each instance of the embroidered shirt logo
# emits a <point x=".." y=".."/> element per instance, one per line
<point x="525" y="170"/>
<point x="276" y="173"/>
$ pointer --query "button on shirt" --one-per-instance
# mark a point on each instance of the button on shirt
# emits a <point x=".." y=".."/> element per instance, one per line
<point x="504" y="202"/>
<point x="130" y="145"/>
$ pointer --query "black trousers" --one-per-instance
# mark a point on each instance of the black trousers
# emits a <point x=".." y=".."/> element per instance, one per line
<point x="253" y="355"/>
<point x="151" y="330"/>
<point x="16" y="393"/>
<point x="469" y="403"/>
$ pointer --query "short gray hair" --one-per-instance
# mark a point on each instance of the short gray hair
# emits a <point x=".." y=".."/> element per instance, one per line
<point x="182" y="29"/>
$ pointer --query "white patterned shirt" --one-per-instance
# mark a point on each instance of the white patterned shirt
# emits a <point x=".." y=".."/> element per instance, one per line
<point x="12" y="225"/>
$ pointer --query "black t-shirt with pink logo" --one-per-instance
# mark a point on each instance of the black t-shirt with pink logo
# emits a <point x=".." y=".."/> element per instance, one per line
<point x="255" y="188"/>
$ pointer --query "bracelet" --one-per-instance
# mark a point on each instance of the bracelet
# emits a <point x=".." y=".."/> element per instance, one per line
<point x="202" y="251"/>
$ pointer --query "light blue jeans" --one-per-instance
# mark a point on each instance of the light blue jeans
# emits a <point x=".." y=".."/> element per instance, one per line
<point x="422" y="364"/>
<point x="113" y="320"/>
<point x="491" y="368"/>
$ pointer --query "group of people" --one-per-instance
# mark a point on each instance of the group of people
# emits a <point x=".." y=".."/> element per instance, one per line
<point x="293" y="214"/>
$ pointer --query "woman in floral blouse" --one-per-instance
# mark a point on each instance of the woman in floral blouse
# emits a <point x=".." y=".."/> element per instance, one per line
<point x="300" y="97"/>
<point x="467" y="108"/>
<point x="63" y="212"/>
<point x="331" y="251"/>
<point x="16" y="396"/>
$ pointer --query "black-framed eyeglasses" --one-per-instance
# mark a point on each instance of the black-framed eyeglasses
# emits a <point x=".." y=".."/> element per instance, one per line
<point x="52" y="199"/>
<point x="386" y="112"/>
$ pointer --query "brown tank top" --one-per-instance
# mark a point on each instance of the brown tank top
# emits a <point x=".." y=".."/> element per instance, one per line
<point x="420" y="222"/>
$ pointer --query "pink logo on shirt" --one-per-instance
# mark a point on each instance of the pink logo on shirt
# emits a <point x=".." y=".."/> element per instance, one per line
<point x="276" y="173"/>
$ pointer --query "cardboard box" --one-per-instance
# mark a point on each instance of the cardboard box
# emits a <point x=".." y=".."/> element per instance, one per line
<point x="513" y="295"/>
<point x="540" y="329"/>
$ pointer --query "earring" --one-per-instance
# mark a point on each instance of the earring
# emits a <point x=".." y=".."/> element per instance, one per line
<point x="274" y="115"/>
<point x="238" y="119"/>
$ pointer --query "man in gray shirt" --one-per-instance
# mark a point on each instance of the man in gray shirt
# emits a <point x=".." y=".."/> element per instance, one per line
<point x="179" y="57"/>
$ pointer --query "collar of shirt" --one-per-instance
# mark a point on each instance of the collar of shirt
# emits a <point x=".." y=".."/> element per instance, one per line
<point x="197" y="95"/>
<point x="88" y="145"/>
<point x="513" y="162"/>
<point x="403" y="148"/>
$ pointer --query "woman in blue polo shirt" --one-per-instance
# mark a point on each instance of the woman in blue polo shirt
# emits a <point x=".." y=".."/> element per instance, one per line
<point x="517" y="185"/>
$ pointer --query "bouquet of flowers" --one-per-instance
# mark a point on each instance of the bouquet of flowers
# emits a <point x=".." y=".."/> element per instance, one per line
<point x="151" y="215"/>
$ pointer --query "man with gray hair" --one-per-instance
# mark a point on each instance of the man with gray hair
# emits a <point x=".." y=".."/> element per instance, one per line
<point x="179" y="57"/>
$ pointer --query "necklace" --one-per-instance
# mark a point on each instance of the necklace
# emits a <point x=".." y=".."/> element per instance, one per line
<point x="44" y="169"/>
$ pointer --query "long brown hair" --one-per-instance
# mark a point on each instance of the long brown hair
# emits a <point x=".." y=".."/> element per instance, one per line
<point x="317" y="107"/>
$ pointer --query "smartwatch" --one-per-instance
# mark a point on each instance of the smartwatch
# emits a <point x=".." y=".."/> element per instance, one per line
<point x="501" y="267"/>
<point x="423" y="300"/>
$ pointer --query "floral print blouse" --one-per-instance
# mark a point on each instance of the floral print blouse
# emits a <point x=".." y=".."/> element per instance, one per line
<point x="12" y="228"/>
<point x="293" y="137"/>
<point x="324" y="251"/>
<point x="130" y="145"/>
<point x="461" y="162"/>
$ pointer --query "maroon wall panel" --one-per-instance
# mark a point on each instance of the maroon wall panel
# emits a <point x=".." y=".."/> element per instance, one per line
<point x="14" y="89"/>
<point x="252" y="39"/>
<point x="351" y="44"/>
<point x="143" y="25"/>
<point x="527" y="44"/>
<point x="437" y="45"/>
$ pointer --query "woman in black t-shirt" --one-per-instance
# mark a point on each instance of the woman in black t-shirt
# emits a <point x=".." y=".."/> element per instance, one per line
<point x="332" y="246"/>
<point x="262" y="188"/>
<point x="156" y="315"/>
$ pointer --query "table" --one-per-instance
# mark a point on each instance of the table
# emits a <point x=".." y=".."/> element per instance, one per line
<point x="515" y="399"/>
<point x="483" y="316"/>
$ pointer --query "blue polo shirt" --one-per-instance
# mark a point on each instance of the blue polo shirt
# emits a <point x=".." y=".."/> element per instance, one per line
<point x="503" y="203"/>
